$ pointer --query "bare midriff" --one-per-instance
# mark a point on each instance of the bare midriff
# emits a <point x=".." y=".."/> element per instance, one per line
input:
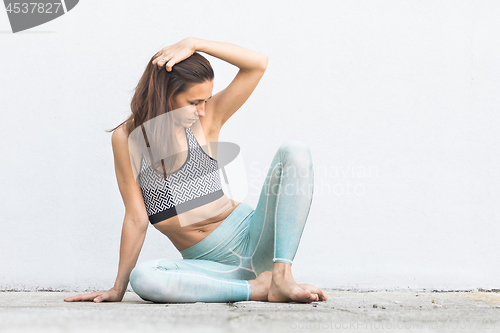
<point x="184" y="234"/>
<point x="180" y="229"/>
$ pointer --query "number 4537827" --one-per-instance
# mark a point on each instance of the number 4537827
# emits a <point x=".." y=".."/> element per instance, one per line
<point x="33" y="7"/>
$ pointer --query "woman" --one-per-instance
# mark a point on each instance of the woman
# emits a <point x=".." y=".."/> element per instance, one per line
<point x="230" y="251"/>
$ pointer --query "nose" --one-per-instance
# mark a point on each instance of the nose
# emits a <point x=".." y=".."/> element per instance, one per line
<point x="200" y="111"/>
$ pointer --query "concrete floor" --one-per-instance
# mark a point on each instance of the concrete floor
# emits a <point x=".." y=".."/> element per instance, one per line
<point x="344" y="311"/>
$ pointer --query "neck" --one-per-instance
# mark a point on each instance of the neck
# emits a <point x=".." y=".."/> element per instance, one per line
<point x="179" y="130"/>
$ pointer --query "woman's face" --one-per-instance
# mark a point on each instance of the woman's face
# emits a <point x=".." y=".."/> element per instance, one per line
<point x="189" y="106"/>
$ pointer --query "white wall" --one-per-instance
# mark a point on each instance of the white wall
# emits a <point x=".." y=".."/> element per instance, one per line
<point x="398" y="101"/>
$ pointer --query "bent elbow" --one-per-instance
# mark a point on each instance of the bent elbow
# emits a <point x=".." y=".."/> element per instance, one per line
<point x="141" y="222"/>
<point x="265" y="60"/>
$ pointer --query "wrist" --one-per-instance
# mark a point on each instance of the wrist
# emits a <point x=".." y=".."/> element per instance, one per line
<point x="120" y="288"/>
<point x="199" y="44"/>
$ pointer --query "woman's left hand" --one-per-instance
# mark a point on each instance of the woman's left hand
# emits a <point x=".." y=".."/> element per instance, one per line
<point x="173" y="54"/>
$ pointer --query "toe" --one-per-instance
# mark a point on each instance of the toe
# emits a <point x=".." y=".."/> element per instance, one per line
<point x="320" y="293"/>
<point x="306" y="296"/>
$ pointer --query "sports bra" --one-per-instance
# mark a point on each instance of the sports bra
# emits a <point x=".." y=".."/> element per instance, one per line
<point x="195" y="184"/>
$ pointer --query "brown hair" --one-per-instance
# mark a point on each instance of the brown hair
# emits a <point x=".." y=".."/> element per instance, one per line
<point x="157" y="87"/>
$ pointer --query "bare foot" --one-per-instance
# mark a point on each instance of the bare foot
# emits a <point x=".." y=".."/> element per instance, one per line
<point x="322" y="296"/>
<point x="285" y="289"/>
<point x="260" y="286"/>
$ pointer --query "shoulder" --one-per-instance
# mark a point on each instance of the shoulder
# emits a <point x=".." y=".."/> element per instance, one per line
<point x="120" y="143"/>
<point x="119" y="137"/>
<point x="121" y="149"/>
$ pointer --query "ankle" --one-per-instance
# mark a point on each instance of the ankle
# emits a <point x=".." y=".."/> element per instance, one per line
<point x="281" y="270"/>
<point x="258" y="291"/>
<point x="253" y="284"/>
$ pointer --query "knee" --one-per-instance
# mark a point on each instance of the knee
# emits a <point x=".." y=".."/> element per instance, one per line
<point x="140" y="280"/>
<point x="296" y="152"/>
<point x="292" y="147"/>
<point x="138" y="273"/>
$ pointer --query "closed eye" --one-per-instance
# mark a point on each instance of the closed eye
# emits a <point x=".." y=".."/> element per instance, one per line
<point x="193" y="103"/>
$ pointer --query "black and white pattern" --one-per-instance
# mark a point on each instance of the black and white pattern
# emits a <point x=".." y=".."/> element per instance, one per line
<point x="197" y="178"/>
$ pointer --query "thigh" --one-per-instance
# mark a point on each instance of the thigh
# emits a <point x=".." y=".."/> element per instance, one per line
<point x="211" y="268"/>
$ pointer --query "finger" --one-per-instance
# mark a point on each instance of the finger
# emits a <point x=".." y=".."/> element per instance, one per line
<point x="170" y="64"/>
<point x="101" y="298"/>
<point x="74" y="298"/>
<point x="91" y="296"/>
<point x="157" y="57"/>
<point x="162" y="60"/>
<point x="157" y="60"/>
<point x="154" y="60"/>
<point x="70" y="299"/>
<point x="81" y="297"/>
<point x="160" y="54"/>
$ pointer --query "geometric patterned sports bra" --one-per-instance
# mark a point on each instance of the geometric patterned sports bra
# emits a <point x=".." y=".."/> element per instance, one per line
<point x="195" y="184"/>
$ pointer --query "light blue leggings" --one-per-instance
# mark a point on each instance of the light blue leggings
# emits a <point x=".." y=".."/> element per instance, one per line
<point x="245" y="244"/>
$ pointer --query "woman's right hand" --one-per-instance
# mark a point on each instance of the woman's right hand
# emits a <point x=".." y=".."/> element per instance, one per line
<point x="173" y="54"/>
<point x="112" y="295"/>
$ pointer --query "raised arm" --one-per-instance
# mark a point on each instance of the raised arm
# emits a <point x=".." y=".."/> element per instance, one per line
<point x="135" y="223"/>
<point x="221" y="106"/>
